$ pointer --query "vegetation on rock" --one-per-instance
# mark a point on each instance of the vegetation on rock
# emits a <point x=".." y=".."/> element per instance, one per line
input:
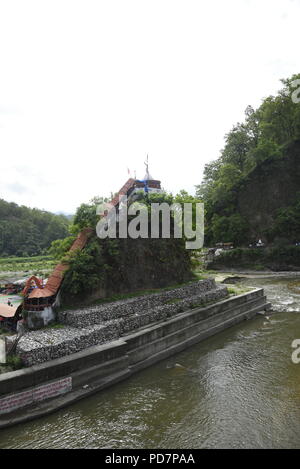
<point x="111" y="266"/>
<point x="262" y="139"/>
<point x="275" y="258"/>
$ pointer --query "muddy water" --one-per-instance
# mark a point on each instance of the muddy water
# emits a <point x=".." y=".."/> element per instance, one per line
<point x="282" y="291"/>
<point x="238" y="389"/>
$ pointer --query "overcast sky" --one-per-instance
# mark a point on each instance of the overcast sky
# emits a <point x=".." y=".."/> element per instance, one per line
<point x="88" y="88"/>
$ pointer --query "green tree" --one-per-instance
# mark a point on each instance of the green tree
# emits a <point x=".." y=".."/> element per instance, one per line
<point x="263" y="136"/>
<point x="25" y="231"/>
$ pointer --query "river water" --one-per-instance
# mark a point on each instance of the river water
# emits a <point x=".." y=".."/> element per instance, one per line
<point x="239" y="389"/>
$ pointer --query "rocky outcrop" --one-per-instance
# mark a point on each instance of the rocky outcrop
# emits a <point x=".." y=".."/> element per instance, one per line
<point x="272" y="185"/>
<point x="136" y="264"/>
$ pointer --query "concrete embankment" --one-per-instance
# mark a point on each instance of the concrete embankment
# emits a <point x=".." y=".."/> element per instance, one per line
<point x="45" y="387"/>
<point x="99" y="324"/>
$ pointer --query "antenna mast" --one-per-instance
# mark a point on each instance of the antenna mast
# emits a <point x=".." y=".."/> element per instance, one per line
<point x="147" y="167"/>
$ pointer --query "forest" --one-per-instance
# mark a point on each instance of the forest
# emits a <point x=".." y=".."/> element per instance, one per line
<point x="28" y="231"/>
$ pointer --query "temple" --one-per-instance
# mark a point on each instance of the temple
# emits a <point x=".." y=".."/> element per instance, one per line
<point x="133" y="186"/>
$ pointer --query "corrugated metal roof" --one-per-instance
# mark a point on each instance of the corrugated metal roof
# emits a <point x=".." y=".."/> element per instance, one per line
<point x="28" y="284"/>
<point x="123" y="191"/>
<point x="40" y="293"/>
<point x="7" y="311"/>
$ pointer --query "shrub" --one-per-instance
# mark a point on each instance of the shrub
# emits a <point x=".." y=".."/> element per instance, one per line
<point x="14" y="361"/>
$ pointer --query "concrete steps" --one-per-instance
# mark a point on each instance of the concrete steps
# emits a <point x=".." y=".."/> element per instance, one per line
<point x="161" y="327"/>
<point x="191" y="326"/>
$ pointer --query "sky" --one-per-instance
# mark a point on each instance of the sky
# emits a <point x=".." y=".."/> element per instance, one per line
<point x="89" y="88"/>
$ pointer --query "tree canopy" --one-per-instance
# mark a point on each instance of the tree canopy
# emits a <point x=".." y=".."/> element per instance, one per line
<point x="28" y="232"/>
<point x="263" y="136"/>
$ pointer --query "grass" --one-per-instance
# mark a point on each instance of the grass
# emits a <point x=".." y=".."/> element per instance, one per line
<point x="56" y="325"/>
<point x="171" y="302"/>
<point x="4" y="331"/>
<point x="203" y="274"/>
<point x="27" y="264"/>
<point x="238" y="290"/>
<point x="13" y="363"/>
<point x="20" y="260"/>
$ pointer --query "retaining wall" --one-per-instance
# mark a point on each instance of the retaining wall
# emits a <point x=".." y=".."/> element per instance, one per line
<point x="97" y="367"/>
<point x="100" y="324"/>
<point x="119" y="309"/>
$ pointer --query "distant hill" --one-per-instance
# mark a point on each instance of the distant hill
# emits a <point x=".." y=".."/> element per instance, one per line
<point x="69" y="216"/>
<point x="28" y="231"/>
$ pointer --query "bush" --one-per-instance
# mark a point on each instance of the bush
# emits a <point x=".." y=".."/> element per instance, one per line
<point x="277" y="258"/>
<point x="14" y="362"/>
<point x="86" y="270"/>
<point x="232" y="229"/>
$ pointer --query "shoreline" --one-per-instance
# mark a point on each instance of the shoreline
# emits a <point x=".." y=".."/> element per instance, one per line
<point x="250" y="273"/>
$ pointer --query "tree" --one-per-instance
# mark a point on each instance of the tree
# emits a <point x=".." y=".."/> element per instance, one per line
<point x="86" y="216"/>
<point x="262" y="136"/>
<point x="25" y="231"/>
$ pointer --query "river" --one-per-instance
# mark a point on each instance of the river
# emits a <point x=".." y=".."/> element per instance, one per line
<point x="239" y="389"/>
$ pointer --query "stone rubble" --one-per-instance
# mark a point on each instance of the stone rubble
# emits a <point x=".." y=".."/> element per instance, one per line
<point x="96" y="325"/>
<point x="125" y="308"/>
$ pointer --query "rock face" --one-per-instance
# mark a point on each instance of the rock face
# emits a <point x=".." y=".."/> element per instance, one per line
<point x="96" y="325"/>
<point x="139" y="264"/>
<point x="272" y="185"/>
<point x="151" y="263"/>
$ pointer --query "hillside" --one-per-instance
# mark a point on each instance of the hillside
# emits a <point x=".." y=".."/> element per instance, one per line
<point x="252" y="191"/>
<point x="269" y="196"/>
<point x="28" y="232"/>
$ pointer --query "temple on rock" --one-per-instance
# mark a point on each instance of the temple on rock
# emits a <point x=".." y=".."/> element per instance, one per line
<point x="39" y="296"/>
<point x="148" y="184"/>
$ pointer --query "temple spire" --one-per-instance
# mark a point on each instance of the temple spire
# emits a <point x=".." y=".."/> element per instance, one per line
<point x="147" y="176"/>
